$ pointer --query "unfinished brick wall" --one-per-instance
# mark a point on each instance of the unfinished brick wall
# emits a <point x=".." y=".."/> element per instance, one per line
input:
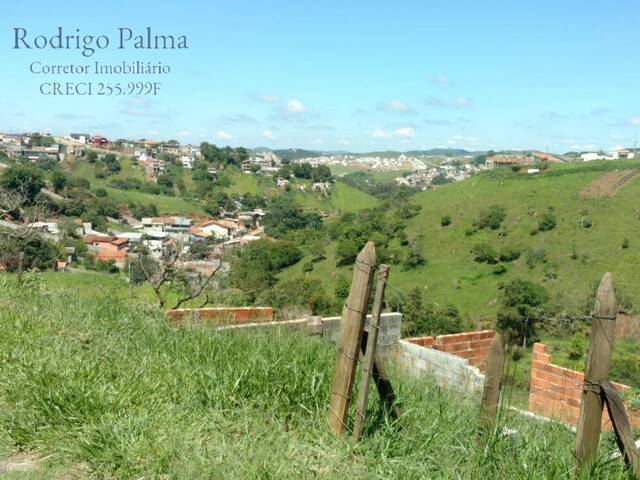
<point x="556" y="392"/>
<point x="221" y="315"/>
<point x="472" y="346"/>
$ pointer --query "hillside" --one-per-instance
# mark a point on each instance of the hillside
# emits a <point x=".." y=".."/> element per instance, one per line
<point x="100" y="388"/>
<point x="574" y="257"/>
<point x="343" y="198"/>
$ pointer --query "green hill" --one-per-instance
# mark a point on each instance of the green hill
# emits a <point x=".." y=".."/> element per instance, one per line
<point x="343" y="198"/>
<point x="571" y="258"/>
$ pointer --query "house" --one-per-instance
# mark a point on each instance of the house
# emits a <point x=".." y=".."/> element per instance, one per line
<point x="507" y="160"/>
<point x="169" y="224"/>
<point x="81" y="138"/>
<point x="546" y="157"/>
<point x="591" y="156"/>
<point x="322" y="187"/>
<point x="98" y="141"/>
<point x="108" y="248"/>
<point x="223" y="228"/>
<point x="282" y="182"/>
<point x="187" y="161"/>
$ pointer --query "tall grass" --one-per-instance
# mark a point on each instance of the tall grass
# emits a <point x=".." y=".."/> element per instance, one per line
<point x="110" y="386"/>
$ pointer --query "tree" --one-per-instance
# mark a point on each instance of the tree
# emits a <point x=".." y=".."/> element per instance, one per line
<point x="169" y="273"/>
<point x="23" y="179"/>
<point x="58" y="180"/>
<point x="284" y="216"/>
<point x="413" y="312"/>
<point x="36" y="253"/>
<point x="521" y="307"/>
<point x="321" y="173"/>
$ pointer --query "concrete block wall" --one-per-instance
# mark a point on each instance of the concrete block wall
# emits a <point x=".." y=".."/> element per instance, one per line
<point x="448" y="369"/>
<point x="556" y="392"/>
<point x="388" y="334"/>
<point x="472" y="346"/>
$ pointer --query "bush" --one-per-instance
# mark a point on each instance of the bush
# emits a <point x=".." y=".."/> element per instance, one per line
<point x="521" y="306"/>
<point x="577" y="347"/>
<point x="625" y="243"/>
<point x="509" y="253"/>
<point x="307" y="267"/>
<point x="499" y="270"/>
<point x="445" y="220"/>
<point x="547" y="222"/>
<point x="585" y="222"/>
<point x="414" y="259"/>
<point x="484" y="253"/>
<point x="535" y="256"/>
<point x="491" y="218"/>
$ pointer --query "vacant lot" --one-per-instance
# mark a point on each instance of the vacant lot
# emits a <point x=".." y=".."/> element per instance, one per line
<point x="98" y="388"/>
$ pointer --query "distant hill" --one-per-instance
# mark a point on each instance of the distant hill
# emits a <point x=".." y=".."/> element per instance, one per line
<point x="567" y="260"/>
<point x="296" y="153"/>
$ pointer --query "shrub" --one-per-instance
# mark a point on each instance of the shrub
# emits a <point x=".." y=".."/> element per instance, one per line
<point x="577" y="347"/>
<point x="625" y="243"/>
<point x="445" y="220"/>
<point x="491" y="217"/>
<point x="547" y="222"/>
<point x="414" y="259"/>
<point x="535" y="256"/>
<point x="499" y="269"/>
<point x="307" y="267"/>
<point x="585" y="222"/>
<point x="509" y="253"/>
<point x="521" y="306"/>
<point x="484" y="253"/>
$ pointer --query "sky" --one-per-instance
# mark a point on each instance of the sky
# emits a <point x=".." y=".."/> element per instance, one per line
<point x="335" y="75"/>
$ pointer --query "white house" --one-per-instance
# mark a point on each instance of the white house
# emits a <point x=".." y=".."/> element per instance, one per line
<point x="187" y="161"/>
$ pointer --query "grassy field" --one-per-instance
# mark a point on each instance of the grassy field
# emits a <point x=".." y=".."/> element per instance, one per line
<point x="98" y="388"/>
<point x="576" y="257"/>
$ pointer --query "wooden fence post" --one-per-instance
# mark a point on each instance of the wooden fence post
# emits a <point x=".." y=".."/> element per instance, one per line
<point x="370" y="353"/>
<point x="597" y="370"/>
<point x="492" y="382"/>
<point x="351" y="327"/>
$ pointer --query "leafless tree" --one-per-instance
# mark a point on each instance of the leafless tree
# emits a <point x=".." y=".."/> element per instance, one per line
<point x="170" y="271"/>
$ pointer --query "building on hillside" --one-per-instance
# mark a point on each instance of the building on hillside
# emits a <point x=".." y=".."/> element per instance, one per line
<point x="615" y="154"/>
<point x="546" y="157"/>
<point x="108" y="248"/>
<point x="173" y="225"/>
<point x="99" y="141"/>
<point x="507" y="160"/>
<point x="221" y="229"/>
<point x="187" y="161"/>
<point x="81" y="138"/>
<point x="41" y="153"/>
<point x="322" y="187"/>
<point x="282" y="183"/>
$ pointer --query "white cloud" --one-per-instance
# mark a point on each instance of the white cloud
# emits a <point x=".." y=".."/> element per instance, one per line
<point x="405" y="132"/>
<point x="395" y="106"/>
<point x="154" y="133"/>
<point x="344" y="141"/>
<point x="440" y="79"/>
<point x="616" y="136"/>
<point x="268" y="134"/>
<point x="183" y="133"/>
<point x="634" y="121"/>
<point x="378" y="133"/>
<point x="268" y="98"/>
<point x="295" y="106"/>
<point x="222" y="135"/>
<point x="459" y="139"/>
<point x="460" y="102"/>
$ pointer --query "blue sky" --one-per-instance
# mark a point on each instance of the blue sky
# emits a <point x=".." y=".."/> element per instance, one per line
<point x="335" y="75"/>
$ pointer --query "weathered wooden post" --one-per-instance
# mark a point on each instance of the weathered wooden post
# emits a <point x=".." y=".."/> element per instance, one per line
<point x="597" y="370"/>
<point x="351" y="327"/>
<point x="492" y="382"/>
<point x="370" y="353"/>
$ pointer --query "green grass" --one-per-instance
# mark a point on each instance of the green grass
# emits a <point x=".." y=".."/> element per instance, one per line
<point x="106" y="385"/>
<point x="451" y="275"/>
